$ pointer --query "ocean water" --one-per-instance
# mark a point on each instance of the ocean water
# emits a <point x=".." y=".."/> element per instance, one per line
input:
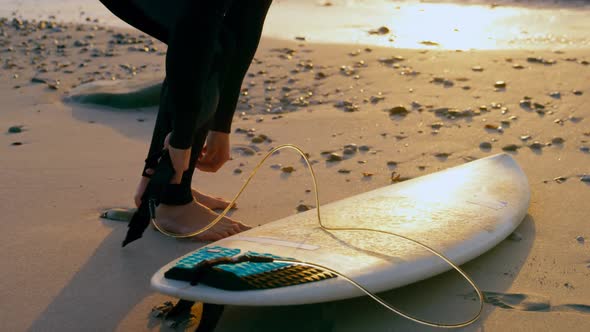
<point x="457" y="24"/>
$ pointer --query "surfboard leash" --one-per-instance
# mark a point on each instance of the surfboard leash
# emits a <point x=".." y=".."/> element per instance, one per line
<point x="259" y="259"/>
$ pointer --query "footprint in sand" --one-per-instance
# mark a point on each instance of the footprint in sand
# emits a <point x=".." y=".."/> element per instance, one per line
<point x="530" y="302"/>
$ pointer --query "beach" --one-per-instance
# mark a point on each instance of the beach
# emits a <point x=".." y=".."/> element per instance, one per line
<point x="75" y="140"/>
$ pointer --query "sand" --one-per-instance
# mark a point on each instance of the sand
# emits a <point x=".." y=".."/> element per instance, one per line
<point x="63" y="268"/>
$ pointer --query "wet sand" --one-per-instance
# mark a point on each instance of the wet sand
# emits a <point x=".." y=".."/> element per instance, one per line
<point x="418" y="111"/>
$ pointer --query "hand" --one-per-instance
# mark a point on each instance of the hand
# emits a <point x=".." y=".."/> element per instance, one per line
<point x="180" y="159"/>
<point x="215" y="152"/>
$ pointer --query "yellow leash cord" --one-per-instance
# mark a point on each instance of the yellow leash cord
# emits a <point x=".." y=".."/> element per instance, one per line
<point x="328" y="228"/>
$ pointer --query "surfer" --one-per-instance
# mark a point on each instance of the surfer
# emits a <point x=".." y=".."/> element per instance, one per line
<point x="210" y="47"/>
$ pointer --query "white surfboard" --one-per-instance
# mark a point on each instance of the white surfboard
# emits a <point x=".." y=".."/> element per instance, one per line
<point x="462" y="212"/>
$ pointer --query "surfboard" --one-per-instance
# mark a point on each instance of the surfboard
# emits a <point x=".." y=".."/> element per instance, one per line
<point x="462" y="212"/>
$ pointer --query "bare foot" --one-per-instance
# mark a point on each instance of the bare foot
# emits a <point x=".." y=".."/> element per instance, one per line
<point x="190" y="217"/>
<point x="211" y="201"/>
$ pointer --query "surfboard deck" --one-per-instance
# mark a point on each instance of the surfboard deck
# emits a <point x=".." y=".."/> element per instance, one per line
<point x="462" y="212"/>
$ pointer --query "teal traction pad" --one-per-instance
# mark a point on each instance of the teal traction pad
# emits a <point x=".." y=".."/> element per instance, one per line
<point x="246" y="275"/>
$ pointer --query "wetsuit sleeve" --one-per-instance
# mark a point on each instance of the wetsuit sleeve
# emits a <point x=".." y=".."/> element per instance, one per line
<point x="244" y="22"/>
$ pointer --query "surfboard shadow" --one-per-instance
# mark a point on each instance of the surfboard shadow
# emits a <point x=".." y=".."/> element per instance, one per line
<point x="111" y="286"/>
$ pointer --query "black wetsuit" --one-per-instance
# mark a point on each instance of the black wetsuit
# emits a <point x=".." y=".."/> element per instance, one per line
<point x="210" y="47"/>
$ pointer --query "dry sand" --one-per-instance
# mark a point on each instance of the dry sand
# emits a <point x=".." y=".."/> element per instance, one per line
<point x="62" y="265"/>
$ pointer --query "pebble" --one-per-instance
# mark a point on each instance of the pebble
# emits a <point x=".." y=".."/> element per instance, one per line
<point x="580" y="239"/>
<point x="437" y="125"/>
<point x="557" y="140"/>
<point x="276" y="166"/>
<point x="398" y="110"/>
<point x="500" y="85"/>
<point x="510" y="147"/>
<point x="525" y="137"/>
<point x="536" y="145"/>
<point x="304" y="207"/>
<point x="585" y="149"/>
<point x="477" y="68"/>
<point x="246" y="150"/>
<point x="237" y="171"/>
<point x="485" y="145"/>
<point x="555" y="94"/>
<point x="118" y="214"/>
<point x="577" y="92"/>
<point x="367" y="174"/>
<point x="343" y="170"/>
<point x="517" y="66"/>
<point x="334" y="157"/>
<point x="288" y="169"/>
<point x="442" y="155"/>
<point x="515" y="236"/>
<point x="560" y="179"/>
<point x="259" y="139"/>
<point x="16" y="143"/>
<point x="585" y="178"/>
<point x="349" y="151"/>
<point x="391" y="163"/>
<point x="15" y="129"/>
<point x="351" y="146"/>
<point x="381" y="31"/>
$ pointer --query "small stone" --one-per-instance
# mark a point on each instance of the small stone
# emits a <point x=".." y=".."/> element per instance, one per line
<point x="515" y="236"/>
<point x="526" y="103"/>
<point x="237" y="171"/>
<point x="16" y="143"/>
<point x="477" y="68"/>
<point x="344" y="171"/>
<point x="398" y="110"/>
<point x="560" y="179"/>
<point x="555" y="94"/>
<point x="580" y="239"/>
<point x="276" y="166"/>
<point x="510" y="147"/>
<point x="517" y="66"/>
<point x="246" y="150"/>
<point x="259" y="139"/>
<point x="437" y="125"/>
<point x="334" y="157"/>
<point x="485" y="145"/>
<point x="348" y="151"/>
<point x="557" y="140"/>
<point x="381" y="31"/>
<point x="525" y="137"/>
<point x="536" y="145"/>
<point x="15" y="129"/>
<point x="585" y="149"/>
<point x="303" y="207"/>
<point x="491" y="126"/>
<point x="577" y="92"/>
<point x="288" y="169"/>
<point x="367" y="174"/>
<point x="392" y="163"/>
<point x="442" y="155"/>
<point x="351" y="146"/>
<point x="585" y="178"/>
<point x="500" y="85"/>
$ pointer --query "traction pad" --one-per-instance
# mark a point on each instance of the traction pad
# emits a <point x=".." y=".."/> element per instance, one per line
<point x="246" y="275"/>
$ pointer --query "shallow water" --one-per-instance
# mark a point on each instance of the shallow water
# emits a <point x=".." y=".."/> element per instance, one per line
<point x="463" y="24"/>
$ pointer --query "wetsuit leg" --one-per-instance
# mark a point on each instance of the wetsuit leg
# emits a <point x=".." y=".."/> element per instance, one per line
<point x="244" y="21"/>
